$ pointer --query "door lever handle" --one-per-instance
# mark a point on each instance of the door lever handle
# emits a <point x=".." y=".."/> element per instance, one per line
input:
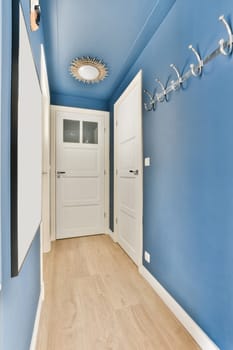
<point x="135" y="172"/>
<point x="60" y="172"/>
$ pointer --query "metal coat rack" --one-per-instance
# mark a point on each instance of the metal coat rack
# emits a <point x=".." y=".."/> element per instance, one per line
<point x="225" y="48"/>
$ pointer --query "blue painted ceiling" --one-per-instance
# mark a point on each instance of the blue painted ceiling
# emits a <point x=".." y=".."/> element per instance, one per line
<point x="115" y="31"/>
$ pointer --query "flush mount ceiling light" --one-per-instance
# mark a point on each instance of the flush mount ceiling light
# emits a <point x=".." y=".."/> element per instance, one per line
<point x="89" y="70"/>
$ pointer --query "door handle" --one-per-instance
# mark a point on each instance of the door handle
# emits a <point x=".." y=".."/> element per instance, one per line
<point x="135" y="172"/>
<point x="59" y="173"/>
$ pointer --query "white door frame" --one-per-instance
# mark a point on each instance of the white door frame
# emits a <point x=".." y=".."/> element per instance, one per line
<point x="82" y="111"/>
<point x="46" y="239"/>
<point x="137" y="80"/>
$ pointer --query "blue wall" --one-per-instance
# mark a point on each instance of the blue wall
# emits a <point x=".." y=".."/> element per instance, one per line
<point x="19" y="295"/>
<point x="80" y="102"/>
<point x="0" y="136"/>
<point x="188" y="190"/>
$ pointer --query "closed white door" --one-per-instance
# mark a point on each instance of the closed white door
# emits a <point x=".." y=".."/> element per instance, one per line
<point x="128" y="169"/>
<point x="79" y="174"/>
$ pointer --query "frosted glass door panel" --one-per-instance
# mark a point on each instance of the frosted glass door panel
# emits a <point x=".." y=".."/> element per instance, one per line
<point x="90" y="132"/>
<point x="71" y="131"/>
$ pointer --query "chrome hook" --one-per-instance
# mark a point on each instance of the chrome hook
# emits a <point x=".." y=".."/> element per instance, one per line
<point x="151" y="105"/>
<point x="222" y="44"/>
<point x="176" y="84"/>
<point x="196" y="70"/>
<point x="164" y="96"/>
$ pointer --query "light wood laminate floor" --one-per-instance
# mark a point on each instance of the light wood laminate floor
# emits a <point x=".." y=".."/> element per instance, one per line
<point x="95" y="299"/>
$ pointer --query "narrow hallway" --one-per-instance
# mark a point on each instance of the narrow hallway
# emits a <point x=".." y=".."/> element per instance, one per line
<point x="95" y="299"/>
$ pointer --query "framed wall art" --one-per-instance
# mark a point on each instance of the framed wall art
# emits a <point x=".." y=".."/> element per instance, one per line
<point x="26" y="143"/>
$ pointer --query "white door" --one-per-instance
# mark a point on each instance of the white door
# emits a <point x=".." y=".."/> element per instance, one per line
<point x="79" y="174"/>
<point x="46" y="239"/>
<point x="128" y="169"/>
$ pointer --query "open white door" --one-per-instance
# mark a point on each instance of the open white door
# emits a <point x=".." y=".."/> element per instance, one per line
<point x="46" y="237"/>
<point x="128" y="169"/>
<point x="80" y="173"/>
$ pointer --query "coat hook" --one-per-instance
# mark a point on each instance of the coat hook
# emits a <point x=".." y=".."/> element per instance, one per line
<point x="196" y="70"/>
<point x="151" y="105"/>
<point x="176" y="84"/>
<point x="222" y="44"/>
<point x="164" y="96"/>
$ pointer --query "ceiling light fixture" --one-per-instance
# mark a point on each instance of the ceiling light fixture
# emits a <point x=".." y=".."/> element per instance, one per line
<point x="89" y="70"/>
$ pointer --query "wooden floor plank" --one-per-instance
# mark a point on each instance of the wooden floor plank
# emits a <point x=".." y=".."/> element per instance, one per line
<point x="95" y="299"/>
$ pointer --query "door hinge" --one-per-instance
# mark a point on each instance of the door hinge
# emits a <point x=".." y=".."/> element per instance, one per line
<point x="105" y="215"/>
<point x="104" y="129"/>
<point x="116" y="172"/>
<point x="116" y="220"/>
<point x="105" y="172"/>
<point x="116" y="123"/>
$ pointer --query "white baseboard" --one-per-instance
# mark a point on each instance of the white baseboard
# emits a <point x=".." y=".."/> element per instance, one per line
<point x="37" y="320"/>
<point x="112" y="235"/>
<point x="42" y="291"/>
<point x="196" y="332"/>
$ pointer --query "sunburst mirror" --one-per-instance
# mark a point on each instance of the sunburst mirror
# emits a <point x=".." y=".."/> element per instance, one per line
<point x="89" y="70"/>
